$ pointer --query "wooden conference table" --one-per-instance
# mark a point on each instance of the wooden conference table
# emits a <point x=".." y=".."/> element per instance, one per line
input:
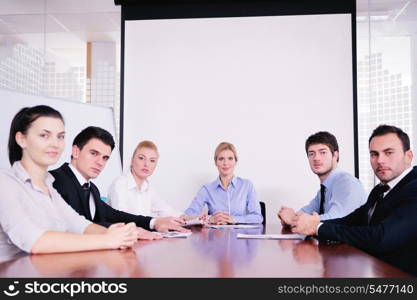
<point x="208" y="253"/>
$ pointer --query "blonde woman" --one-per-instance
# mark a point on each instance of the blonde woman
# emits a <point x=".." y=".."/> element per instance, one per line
<point x="133" y="193"/>
<point x="230" y="199"/>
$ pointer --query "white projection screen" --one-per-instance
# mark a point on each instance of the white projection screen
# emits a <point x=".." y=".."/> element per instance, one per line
<point x="263" y="83"/>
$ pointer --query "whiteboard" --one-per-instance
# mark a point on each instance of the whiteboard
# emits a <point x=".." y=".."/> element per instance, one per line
<point x="262" y="83"/>
<point x="77" y="116"/>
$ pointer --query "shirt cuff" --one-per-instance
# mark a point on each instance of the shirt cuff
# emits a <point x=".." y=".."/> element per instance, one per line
<point x="152" y="224"/>
<point x="28" y="243"/>
<point x="83" y="226"/>
<point x="318" y="226"/>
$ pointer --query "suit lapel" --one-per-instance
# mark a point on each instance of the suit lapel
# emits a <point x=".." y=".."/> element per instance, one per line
<point x="369" y="205"/>
<point x="83" y="203"/>
<point x="392" y="200"/>
<point x="96" y="196"/>
<point x="409" y="177"/>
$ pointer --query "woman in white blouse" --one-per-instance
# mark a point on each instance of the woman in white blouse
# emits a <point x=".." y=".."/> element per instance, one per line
<point x="33" y="216"/>
<point x="133" y="193"/>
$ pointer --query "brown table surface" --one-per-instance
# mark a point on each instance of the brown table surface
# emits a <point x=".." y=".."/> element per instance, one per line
<point x="208" y="253"/>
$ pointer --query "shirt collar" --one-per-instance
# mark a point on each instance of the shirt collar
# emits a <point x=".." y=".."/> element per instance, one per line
<point x="20" y="172"/>
<point x="78" y="175"/>
<point x="397" y="179"/>
<point x="331" y="178"/>
<point x="234" y="181"/>
<point x="218" y="182"/>
<point x="23" y="175"/>
<point x="131" y="183"/>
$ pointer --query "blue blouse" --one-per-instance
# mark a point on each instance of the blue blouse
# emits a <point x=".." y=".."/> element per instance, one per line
<point x="239" y="200"/>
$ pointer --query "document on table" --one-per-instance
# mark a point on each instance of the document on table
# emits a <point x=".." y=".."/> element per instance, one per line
<point x="272" y="236"/>
<point x="174" y="234"/>
<point x="232" y="226"/>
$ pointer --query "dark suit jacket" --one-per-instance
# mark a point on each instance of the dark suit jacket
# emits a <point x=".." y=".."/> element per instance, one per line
<point x="393" y="235"/>
<point x="70" y="189"/>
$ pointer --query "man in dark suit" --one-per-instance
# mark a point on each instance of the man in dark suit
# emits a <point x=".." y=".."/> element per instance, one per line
<point x="91" y="150"/>
<point x="386" y="225"/>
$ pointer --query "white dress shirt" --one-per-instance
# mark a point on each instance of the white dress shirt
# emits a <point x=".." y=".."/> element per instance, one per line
<point x="126" y="195"/>
<point x="26" y="212"/>
<point x="397" y="179"/>
<point x="82" y="180"/>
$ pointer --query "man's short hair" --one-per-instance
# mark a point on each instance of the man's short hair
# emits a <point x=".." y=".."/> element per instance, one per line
<point x="386" y="129"/>
<point x="323" y="137"/>
<point x="93" y="132"/>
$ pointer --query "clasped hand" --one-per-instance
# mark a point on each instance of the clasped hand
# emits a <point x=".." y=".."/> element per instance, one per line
<point x="305" y="224"/>
<point x="286" y="215"/>
<point x="221" y="218"/>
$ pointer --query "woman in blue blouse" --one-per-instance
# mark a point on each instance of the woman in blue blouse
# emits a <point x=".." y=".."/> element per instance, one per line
<point x="230" y="199"/>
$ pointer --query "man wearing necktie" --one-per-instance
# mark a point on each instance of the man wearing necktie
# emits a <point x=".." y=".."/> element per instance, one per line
<point x="91" y="150"/>
<point x="386" y="225"/>
<point x="340" y="193"/>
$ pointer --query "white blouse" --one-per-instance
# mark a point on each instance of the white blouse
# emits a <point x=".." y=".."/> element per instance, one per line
<point x="26" y="212"/>
<point x="125" y="195"/>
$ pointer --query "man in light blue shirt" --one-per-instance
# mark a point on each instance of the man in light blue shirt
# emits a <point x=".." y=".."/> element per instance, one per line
<point x="340" y="193"/>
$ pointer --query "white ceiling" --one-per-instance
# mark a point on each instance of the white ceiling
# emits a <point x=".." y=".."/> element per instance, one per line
<point x="388" y="10"/>
<point x="57" y="6"/>
<point x="88" y="20"/>
<point x="99" y="20"/>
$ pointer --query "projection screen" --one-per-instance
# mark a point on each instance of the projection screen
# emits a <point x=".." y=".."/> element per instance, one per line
<point x="263" y="83"/>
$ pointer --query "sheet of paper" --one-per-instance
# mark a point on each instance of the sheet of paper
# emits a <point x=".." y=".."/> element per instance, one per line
<point x="272" y="236"/>
<point x="231" y="226"/>
<point x="174" y="234"/>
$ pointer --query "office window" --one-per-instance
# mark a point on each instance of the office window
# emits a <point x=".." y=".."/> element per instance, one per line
<point x="386" y="57"/>
<point x="43" y="49"/>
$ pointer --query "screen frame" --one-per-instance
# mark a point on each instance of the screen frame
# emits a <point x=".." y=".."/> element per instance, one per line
<point x="134" y="10"/>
